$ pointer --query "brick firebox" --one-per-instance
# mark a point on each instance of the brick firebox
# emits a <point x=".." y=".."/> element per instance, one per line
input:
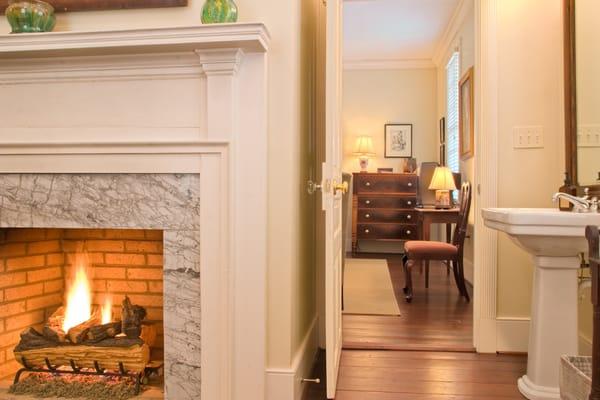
<point x="34" y="265"/>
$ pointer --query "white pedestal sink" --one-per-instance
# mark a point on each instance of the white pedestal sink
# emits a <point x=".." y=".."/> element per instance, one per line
<point x="554" y="239"/>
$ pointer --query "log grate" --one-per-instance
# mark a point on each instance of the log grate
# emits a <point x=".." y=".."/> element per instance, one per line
<point x="139" y="377"/>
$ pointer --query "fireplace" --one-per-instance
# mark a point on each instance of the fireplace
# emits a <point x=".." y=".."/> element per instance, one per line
<point x="138" y="236"/>
<point x="149" y="130"/>
<point x="39" y="270"/>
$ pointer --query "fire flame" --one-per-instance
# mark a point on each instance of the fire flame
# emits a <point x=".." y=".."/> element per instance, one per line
<point x="79" y="296"/>
<point x="107" y="310"/>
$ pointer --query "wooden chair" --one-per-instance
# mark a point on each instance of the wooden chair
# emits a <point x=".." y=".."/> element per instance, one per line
<point x="419" y="251"/>
<point x="593" y="236"/>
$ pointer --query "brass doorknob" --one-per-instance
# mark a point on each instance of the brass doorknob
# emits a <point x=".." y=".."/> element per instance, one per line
<point x="342" y="187"/>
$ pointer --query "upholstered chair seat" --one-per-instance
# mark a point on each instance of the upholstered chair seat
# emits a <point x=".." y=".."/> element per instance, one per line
<point x="423" y="249"/>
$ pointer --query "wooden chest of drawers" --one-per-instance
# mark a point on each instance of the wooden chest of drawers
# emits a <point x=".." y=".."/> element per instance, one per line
<point x="383" y="207"/>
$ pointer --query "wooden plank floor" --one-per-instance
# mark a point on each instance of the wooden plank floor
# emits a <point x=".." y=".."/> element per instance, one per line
<point x="437" y="319"/>
<point x="431" y="355"/>
<point x="420" y="375"/>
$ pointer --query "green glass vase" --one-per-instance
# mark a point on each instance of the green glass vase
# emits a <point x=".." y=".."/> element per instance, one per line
<point x="218" y="11"/>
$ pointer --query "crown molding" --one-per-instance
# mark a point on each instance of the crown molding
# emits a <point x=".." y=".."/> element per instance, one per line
<point x="391" y="64"/>
<point x="457" y="19"/>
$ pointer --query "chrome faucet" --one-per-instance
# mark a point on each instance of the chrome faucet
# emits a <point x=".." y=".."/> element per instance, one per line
<point x="580" y="204"/>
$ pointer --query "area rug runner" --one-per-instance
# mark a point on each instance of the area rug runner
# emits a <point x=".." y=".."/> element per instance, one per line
<point x="368" y="288"/>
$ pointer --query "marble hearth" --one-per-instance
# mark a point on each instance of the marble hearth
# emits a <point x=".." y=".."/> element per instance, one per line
<point x="167" y="202"/>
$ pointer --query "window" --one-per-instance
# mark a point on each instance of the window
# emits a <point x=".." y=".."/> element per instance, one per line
<point x="452" y="81"/>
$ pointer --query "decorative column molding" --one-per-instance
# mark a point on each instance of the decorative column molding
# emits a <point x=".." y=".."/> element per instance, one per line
<point x="220" y="62"/>
<point x="220" y="68"/>
<point x="486" y="173"/>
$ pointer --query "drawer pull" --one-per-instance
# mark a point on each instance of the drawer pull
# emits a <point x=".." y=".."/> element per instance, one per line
<point x="368" y="184"/>
<point x="408" y="232"/>
<point x="409" y="184"/>
<point x="409" y="203"/>
<point x="408" y="216"/>
<point x="368" y="202"/>
<point x="367" y="231"/>
<point x="367" y="215"/>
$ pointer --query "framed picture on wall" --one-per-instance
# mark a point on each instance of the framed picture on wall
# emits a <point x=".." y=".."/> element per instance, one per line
<point x="443" y="130"/>
<point x="443" y="155"/>
<point x="466" y="123"/>
<point x="398" y="140"/>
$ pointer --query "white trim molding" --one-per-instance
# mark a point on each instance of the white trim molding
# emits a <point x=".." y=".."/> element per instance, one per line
<point x="512" y="335"/>
<point x="281" y="382"/>
<point x="486" y="175"/>
<point x="389" y="64"/>
<point x="224" y="66"/>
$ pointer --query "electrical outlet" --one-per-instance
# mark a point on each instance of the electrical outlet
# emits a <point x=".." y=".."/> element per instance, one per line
<point x="528" y="137"/>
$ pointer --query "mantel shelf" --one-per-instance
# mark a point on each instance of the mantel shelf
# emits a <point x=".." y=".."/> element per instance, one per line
<point x="250" y="37"/>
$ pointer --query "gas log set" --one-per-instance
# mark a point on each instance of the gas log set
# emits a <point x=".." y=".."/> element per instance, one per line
<point x="90" y="347"/>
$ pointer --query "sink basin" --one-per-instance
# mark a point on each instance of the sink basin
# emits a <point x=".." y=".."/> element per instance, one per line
<point x="554" y="239"/>
<point x="543" y="231"/>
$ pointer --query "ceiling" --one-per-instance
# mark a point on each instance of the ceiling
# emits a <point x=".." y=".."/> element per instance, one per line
<point x="394" y="29"/>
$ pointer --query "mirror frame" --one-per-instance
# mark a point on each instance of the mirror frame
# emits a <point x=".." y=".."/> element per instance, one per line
<point x="570" y="77"/>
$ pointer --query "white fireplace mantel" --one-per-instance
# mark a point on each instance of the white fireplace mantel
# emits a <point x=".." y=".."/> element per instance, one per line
<point x="249" y="37"/>
<point x="168" y="100"/>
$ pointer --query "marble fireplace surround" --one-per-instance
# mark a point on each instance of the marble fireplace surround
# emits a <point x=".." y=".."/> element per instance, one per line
<point x="170" y="202"/>
<point x="143" y="129"/>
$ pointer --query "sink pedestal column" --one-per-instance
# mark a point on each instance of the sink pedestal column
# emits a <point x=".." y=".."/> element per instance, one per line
<point x="553" y="330"/>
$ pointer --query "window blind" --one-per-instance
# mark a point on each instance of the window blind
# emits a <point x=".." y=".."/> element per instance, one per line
<point x="452" y="81"/>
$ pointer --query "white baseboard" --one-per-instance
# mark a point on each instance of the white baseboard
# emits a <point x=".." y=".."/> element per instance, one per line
<point x="512" y="335"/>
<point x="585" y="345"/>
<point x="286" y="383"/>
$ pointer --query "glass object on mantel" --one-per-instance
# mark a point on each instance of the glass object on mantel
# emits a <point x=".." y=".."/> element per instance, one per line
<point x="218" y="11"/>
<point x="30" y="16"/>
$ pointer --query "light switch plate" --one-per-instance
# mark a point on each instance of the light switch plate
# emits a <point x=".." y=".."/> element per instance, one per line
<point x="528" y="137"/>
<point x="588" y="136"/>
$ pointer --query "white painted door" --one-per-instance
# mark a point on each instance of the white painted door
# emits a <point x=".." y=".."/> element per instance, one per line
<point x="332" y="193"/>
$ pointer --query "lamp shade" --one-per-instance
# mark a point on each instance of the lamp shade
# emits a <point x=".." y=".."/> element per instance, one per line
<point x="442" y="179"/>
<point x="364" y="146"/>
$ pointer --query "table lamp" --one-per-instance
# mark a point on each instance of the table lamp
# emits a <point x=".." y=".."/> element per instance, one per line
<point x="364" y="150"/>
<point x="442" y="182"/>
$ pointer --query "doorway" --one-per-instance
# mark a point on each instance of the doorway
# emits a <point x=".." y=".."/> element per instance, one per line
<point x="400" y="116"/>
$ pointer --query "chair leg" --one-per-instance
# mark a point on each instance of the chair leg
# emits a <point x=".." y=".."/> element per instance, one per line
<point x="408" y="288"/>
<point x="404" y="261"/>
<point x="456" y="277"/>
<point x="427" y="274"/>
<point x="461" y="274"/>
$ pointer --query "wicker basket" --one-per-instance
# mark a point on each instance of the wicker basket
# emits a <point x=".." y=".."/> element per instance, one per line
<point x="575" y="377"/>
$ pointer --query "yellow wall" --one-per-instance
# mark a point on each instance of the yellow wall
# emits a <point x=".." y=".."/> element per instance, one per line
<point x="373" y="98"/>
<point x="290" y="269"/>
<point x="530" y="93"/>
